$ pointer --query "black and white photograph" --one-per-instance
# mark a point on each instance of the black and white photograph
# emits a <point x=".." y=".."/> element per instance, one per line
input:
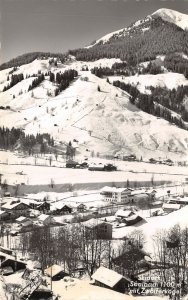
<point x="93" y="149"/>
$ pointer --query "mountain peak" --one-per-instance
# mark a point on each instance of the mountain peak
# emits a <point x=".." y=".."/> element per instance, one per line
<point x="173" y="16"/>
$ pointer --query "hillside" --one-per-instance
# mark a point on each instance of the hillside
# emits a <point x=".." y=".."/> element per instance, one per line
<point x="103" y="122"/>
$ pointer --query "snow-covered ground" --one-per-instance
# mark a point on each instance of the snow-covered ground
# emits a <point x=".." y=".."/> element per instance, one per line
<point x="155" y="225"/>
<point x="104" y="122"/>
<point x="143" y="82"/>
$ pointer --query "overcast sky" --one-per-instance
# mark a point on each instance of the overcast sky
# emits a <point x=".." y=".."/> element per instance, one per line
<point x="59" y="25"/>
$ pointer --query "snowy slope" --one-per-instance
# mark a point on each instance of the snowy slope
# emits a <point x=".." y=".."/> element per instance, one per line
<point x="104" y="122"/>
<point x="143" y="82"/>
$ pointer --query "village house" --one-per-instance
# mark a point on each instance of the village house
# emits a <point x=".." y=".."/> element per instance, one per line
<point x="114" y="194"/>
<point x="98" y="229"/>
<point x="81" y="207"/>
<point x="110" y="279"/>
<point x="64" y="209"/>
<point x="16" y="208"/>
<point x="46" y="220"/>
<point x="43" y="207"/>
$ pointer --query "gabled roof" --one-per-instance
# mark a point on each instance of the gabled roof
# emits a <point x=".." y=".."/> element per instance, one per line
<point x="13" y="204"/>
<point x="123" y="213"/>
<point x="113" y="189"/>
<point x="108" y="277"/>
<point x="43" y="217"/>
<point x="171" y="206"/>
<point x="21" y="219"/>
<point x="93" y="223"/>
<point x="53" y="270"/>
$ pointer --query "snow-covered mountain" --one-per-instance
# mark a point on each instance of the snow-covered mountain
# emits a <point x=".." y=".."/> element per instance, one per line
<point x="168" y="15"/>
<point x="173" y="16"/>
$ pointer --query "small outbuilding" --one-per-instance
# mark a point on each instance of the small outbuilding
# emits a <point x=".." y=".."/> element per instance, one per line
<point x="110" y="279"/>
<point x="56" y="272"/>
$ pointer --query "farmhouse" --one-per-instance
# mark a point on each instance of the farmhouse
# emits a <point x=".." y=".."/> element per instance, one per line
<point x="110" y="279"/>
<point x="16" y="209"/>
<point x="113" y="194"/>
<point x="98" y="229"/>
<point x="71" y="163"/>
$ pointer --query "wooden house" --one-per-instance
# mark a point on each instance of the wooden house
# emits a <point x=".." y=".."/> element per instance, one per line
<point x="110" y="279"/>
<point x="81" y="207"/>
<point x="16" y="208"/>
<point x="43" y="207"/>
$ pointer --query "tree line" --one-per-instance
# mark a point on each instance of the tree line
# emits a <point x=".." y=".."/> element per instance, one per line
<point x="161" y="103"/>
<point x="36" y="82"/>
<point x="63" y="79"/>
<point x="30" y="57"/>
<point x="15" y="78"/>
<point x="15" y="137"/>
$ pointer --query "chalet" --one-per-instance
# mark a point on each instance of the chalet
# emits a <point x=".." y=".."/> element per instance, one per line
<point x="113" y="194"/>
<point x="123" y="214"/>
<point x="43" y="207"/>
<point x="98" y="229"/>
<point x="16" y="209"/>
<point x="56" y="272"/>
<point x="71" y="163"/>
<point x="110" y="279"/>
<point x="170" y="207"/>
<point x="81" y="207"/>
<point x="65" y="209"/>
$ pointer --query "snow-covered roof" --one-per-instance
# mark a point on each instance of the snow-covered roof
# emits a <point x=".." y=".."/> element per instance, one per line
<point x="43" y="217"/>
<point x="113" y="189"/>
<point x="171" y="206"/>
<point x="123" y="213"/>
<point x="53" y="270"/>
<point x="93" y="223"/>
<point x="12" y="205"/>
<point x="21" y="219"/>
<point x="107" y="276"/>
